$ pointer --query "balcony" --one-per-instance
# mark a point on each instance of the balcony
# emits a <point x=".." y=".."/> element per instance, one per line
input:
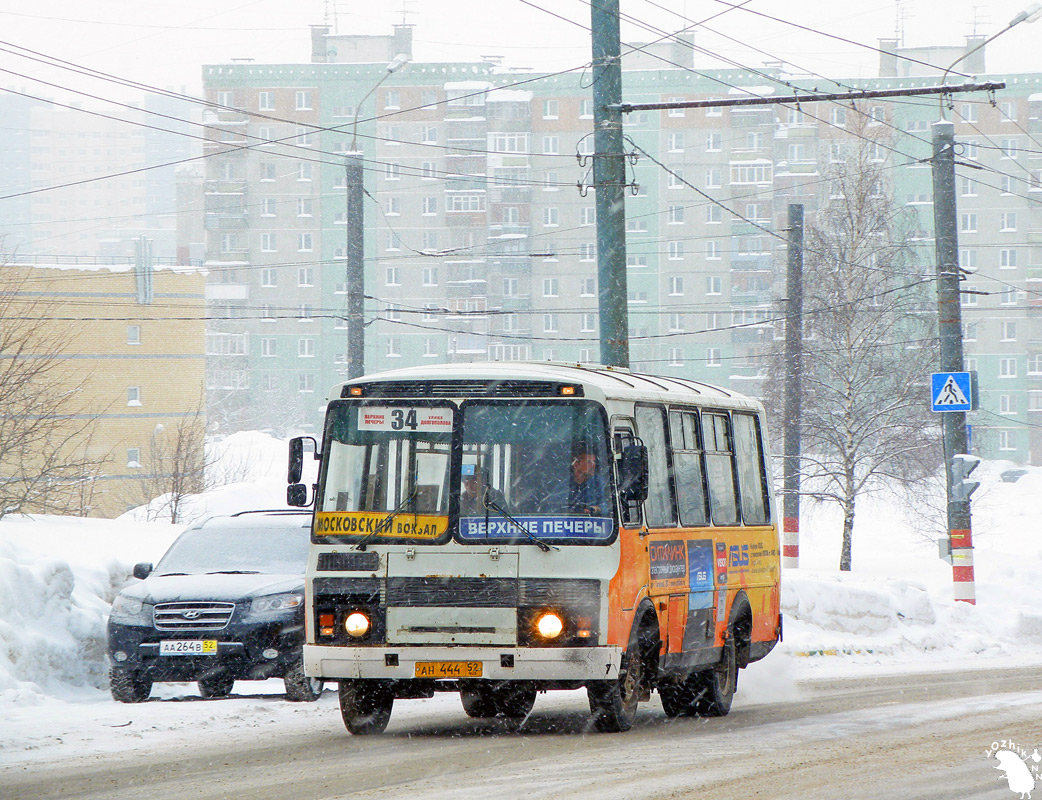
<point x="224" y="221"/>
<point x="223" y="292"/>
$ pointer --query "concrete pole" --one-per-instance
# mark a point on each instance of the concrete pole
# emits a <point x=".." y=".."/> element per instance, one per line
<point x="949" y="317"/>
<point x="609" y="177"/>
<point x="793" y="389"/>
<point x="355" y="265"/>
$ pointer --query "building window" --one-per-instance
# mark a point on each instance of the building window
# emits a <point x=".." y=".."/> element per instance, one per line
<point x="587" y="251"/>
<point x="430" y="276"/>
<point x="304" y="206"/>
<point x="676" y="250"/>
<point x="1007" y="367"/>
<point x="133" y="395"/>
<point x="549" y="109"/>
<point x="268" y="244"/>
<point x="968" y="223"/>
<point x="550" y="287"/>
<point x="392" y="171"/>
<point x="968" y="259"/>
<point x="550" y="145"/>
<point x="1008" y="112"/>
<point x="713" y="358"/>
<point x="587" y="215"/>
<point x="133" y="334"/>
<point x="305" y="347"/>
<point x="587" y="287"/>
<point x="303" y="100"/>
<point x="429" y="134"/>
<point x="714" y="215"/>
<point x="304" y="242"/>
<point x="676" y="179"/>
<point x="588" y="323"/>
<point x="676" y="322"/>
<point x="675" y="142"/>
<point x="269" y="275"/>
<point x="714" y="285"/>
<point x="549" y="323"/>
<point x="1009" y="148"/>
<point x="392" y="99"/>
<point x="1008" y="221"/>
<point x="1008" y="296"/>
<point x="305" y="382"/>
<point x="676" y="356"/>
<point x="269" y="347"/>
<point x="429" y="206"/>
<point x="585" y="109"/>
<point x="676" y="285"/>
<point x="550" y="217"/>
<point x="266" y="101"/>
<point x="1007" y="259"/>
<point x="713" y="252"/>
<point x="394" y="276"/>
<point x="838" y="116"/>
<point x="714" y="142"/>
<point x="305" y="312"/>
<point x="1009" y="331"/>
<point x="676" y="215"/>
<point x="428" y="170"/>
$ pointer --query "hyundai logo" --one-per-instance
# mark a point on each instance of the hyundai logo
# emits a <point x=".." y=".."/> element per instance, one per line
<point x="191" y="613"/>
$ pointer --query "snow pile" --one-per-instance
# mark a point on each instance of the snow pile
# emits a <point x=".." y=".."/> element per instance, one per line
<point x="58" y="578"/>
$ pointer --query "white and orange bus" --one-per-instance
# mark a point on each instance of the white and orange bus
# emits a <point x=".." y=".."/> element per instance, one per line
<point x="503" y="529"/>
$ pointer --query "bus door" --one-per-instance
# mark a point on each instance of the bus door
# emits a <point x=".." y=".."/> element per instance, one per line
<point x="632" y="578"/>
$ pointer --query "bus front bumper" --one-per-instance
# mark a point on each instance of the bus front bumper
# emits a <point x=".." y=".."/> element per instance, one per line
<point x="497" y="663"/>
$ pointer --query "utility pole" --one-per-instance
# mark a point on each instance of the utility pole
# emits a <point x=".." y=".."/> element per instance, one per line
<point x="793" y="389"/>
<point x="949" y="316"/>
<point x="355" y="265"/>
<point x="609" y="178"/>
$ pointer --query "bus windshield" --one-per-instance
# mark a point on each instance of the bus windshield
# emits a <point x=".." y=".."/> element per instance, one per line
<point x="541" y="466"/>
<point x="520" y="472"/>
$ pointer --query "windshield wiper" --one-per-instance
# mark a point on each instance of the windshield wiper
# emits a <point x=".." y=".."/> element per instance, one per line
<point x="235" y="572"/>
<point x="385" y="523"/>
<point x="490" y="503"/>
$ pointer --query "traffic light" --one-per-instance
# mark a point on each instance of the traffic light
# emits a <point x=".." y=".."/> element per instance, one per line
<point x="961" y="467"/>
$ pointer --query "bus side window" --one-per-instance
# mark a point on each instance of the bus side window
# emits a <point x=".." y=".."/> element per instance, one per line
<point x="660" y="508"/>
<point x="752" y="480"/>
<point x="723" y="498"/>
<point x="688" y="468"/>
<point x="623" y="438"/>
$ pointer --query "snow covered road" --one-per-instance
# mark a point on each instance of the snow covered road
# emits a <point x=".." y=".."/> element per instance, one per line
<point x="913" y="736"/>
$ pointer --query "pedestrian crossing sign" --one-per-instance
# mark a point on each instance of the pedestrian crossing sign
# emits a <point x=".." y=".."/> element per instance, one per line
<point x="952" y="391"/>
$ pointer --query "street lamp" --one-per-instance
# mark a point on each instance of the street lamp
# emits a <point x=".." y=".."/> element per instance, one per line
<point x="355" y="220"/>
<point x="1029" y="14"/>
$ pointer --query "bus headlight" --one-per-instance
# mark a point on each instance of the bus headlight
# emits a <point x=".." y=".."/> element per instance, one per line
<point x="357" y="624"/>
<point x="549" y="625"/>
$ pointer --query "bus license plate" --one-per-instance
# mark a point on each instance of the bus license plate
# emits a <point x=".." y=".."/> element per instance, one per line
<point x="188" y="647"/>
<point x="448" y="669"/>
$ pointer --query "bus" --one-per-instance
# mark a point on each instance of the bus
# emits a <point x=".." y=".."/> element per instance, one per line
<point x="504" y="529"/>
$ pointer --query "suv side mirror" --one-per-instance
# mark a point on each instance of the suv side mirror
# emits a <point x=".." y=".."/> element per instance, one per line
<point x="296" y="494"/>
<point x="633" y="474"/>
<point x="142" y="570"/>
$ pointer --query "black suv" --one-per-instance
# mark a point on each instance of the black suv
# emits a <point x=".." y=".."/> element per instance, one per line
<point x="225" y="603"/>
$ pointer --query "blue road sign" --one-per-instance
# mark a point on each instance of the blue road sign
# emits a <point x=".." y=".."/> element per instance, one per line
<point x="951" y="391"/>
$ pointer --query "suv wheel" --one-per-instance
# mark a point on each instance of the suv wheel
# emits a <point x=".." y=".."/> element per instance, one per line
<point x="127" y="686"/>
<point x="299" y="687"/>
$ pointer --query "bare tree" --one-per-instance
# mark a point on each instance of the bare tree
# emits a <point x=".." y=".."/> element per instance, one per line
<point x="47" y="464"/>
<point x="869" y="342"/>
<point x="175" y="468"/>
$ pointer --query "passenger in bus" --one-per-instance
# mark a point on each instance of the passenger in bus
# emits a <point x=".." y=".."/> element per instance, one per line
<point x="474" y="494"/>
<point x="587" y="492"/>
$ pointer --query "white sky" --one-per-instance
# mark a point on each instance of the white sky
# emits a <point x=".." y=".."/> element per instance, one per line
<point x="164" y="44"/>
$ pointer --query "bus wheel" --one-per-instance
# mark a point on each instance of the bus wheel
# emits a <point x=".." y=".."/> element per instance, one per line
<point x="719" y="684"/>
<point x="365" y="706"/>
<point x="508" y="700"/>
<point x="703" y="694"/>
<point x="614" y="703"/>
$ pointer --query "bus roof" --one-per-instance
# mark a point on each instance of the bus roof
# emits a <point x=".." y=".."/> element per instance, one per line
<point x="609" y="382"/>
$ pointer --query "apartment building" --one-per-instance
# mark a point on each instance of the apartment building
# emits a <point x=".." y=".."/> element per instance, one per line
<point x="125" y="346"/>
<point x="480" y="238"/>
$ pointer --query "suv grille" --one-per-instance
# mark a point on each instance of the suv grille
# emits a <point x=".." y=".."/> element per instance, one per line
<point x="192" y="616"/>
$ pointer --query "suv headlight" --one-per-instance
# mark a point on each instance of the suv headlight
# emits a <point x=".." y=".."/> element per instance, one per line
<point x="276" y="602"/>
<point x="131" y="611"/>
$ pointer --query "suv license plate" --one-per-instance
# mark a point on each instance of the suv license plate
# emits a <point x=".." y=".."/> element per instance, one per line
<point x="188" y="647"/>
<point x="448" y="669"/>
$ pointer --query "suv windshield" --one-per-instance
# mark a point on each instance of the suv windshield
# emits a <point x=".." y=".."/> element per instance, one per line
<point x="213" y="548"/>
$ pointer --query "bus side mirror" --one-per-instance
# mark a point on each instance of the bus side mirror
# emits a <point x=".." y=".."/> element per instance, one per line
<point x="296" y="495"/>
<point x="296" y="460"/>
<point x="633" y="474"/>
<point x="296" y="457"/>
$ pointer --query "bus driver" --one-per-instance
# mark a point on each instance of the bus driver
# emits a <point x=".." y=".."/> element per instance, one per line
<point x="587" y="492"/>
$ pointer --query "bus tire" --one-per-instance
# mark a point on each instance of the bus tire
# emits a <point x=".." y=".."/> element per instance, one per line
<point x="510" y="700"/>
<point x="614" y="703"/>
<point x="365" y="706"/>
<point x="717" y="685"/>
